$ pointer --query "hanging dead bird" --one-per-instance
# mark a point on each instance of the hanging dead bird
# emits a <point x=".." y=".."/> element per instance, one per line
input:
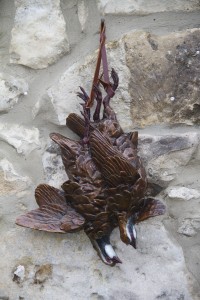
<point x="107" y="182"/>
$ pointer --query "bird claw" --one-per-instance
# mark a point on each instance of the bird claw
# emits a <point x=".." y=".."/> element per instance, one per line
<point x="84" y="96"/>
<point x="97" y="92"/>
<point x="96" y="116"/>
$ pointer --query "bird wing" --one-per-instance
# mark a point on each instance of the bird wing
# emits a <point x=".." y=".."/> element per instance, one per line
<point x="69" y="151"/>
<point x="150" y="208"/>
<point x="53" y="214"/>
<point x="115" y="168"/>
<point x="77" y="124"/>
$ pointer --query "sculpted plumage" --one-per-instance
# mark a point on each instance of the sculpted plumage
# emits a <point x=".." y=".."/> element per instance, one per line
<point x="107" y="181"/>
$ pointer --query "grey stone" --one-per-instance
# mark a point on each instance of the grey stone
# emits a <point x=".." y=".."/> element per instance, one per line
<point x="158" y="259"/>
<point x="39" y="35"/>
<point x="164" y="80"/>
<point x="182" y="193"/>
<point x="53" y="167"/>
<point x="19" y="274"/>
<point x="53" y="106"/>
<point x="143" y="7"/>
<point x="148" y="94"/>
<point x="164" y="156"/>
<point x="82" y="13"/>
<point x="11" y="88"/>
<point x="189" y="227"/>
<point x="23" y="139"/>
<point x="11" y="182"/>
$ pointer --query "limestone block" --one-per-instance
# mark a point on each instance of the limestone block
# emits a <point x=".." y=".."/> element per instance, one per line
<point x="143" y="7"/>
<point x="10" y="90"/>
<point x="11" y="182"/>
<point x="62" y="98"/>
<point x="158" y="81"/>
<point x="39" y="35"/>
<point x="54" y="171"/>
<point x="23" y="139"/>
<point x="164" y="156"/>
<point x="189" y="227"/>
<point x="182" y="193"/>
<point x="155" y="269"/>
<point x="82" y="13"/>
<point x="164" y="85"/>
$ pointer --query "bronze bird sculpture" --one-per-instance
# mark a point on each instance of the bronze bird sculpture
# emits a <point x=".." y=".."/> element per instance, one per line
<point x="107" y="181"/>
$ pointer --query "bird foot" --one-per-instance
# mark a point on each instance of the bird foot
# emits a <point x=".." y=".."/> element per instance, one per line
<point x="84" y="96"/>
<point x="110" y="88"/>
<point x="96" y="116"/>
<point x="106" y="251"/>
<point x="86" y="114"/>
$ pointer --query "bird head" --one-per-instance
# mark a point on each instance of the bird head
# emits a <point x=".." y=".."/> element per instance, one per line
<point x="127" y="229"/>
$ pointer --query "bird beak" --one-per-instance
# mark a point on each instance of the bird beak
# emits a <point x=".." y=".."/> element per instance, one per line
<point x="133" y="243"/>
<point x="127" y="230"/>
<point x="106" y="251"/>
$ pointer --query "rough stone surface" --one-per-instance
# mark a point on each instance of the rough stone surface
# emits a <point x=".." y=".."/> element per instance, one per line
<point x="164" y="77"/>
<point x="66" y="259"/>
<point x="64" y="91"/>
<point x="182" y="193"/>
<point x="11" y="183"/>
<point x="19" y="274"/>
<point x="164" y="156"/>
<point x="39" y="35"/>
<point x="53" y="167"/>
<point x="189" y="227"/>
<point x="10" y="90"/>
<point x="147" y="66"/>
<point x="23" y="139"/>
<point x="82" y="13"/>
<point x="142" y="7"/>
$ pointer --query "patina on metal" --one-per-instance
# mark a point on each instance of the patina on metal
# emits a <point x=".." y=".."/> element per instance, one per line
<point x="107" y="182"/>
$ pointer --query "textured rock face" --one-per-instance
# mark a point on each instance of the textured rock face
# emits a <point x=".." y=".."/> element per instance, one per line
<point x="53" y="167"/>
<point x="11" y="183"/>
<point x="164" y="156"/>
<point x="10" y="90"/>
<point x="159" y="74"/>
<point x="66" y="260"/>
<point x="64" y="91"/>
<point x="39" y="36"/>
<point x="23" y="139"/>
<point x="164" y="77"/>
<point x="159" y="83"/>
<point x="141" y="7"/>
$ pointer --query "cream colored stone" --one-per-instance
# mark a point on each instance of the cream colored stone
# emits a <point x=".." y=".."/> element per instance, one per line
<point x="10" y="181"/>
<point x="23" y="139"/>
<point x="182" y="193"/>
<point x="39" y="35"/>
<point x="143" y="7"/>
<point x="55" y="174"/>
<point x="82" y="13"/>
<point x="11" y="88"/>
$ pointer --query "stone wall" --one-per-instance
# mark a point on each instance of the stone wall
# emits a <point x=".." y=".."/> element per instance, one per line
<point x="47" y="50"/>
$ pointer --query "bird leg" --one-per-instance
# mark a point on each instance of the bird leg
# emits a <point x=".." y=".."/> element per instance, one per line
<point x="86" y="114"/>
<point x="110" y="88"/>
<point x="106" y="251"/>
<point x="96" y="116"/>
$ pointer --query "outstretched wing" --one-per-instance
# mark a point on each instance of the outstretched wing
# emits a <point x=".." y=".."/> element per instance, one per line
<point x="150" y="208"/>
<point x="115" y="168"/>
<point x="53" y="214"/>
